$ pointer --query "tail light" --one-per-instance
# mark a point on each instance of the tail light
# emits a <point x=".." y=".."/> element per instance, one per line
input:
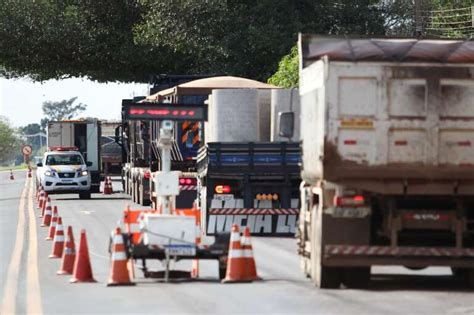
<point x="222" y="189"/>
<point x="267" y="196"/>
<point x="187" y="181"/>
<point x="349" y="201"/>
<point x="146" y="175"/>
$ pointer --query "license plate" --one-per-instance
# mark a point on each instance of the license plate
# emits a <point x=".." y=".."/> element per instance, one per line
<point x="346" y="212"/>
<point x="181" y="250"/>
<point x="66" y="180"/>
<point x="223" y="197"/>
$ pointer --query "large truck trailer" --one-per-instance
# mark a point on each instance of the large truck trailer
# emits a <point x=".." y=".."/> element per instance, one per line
<point x="388" y="157"/>
<point x="253" y="184"/>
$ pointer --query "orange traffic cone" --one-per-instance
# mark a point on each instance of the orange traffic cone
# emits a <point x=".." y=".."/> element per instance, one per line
<point x="82" y="266"/>
<point x="119" y="274"/>
<point x="38" y="191"/>
<point x="108" y="186"/>
<point x="46" y="204"/>
<point x="69" y="254"/>
<point x="11" y="175"/>
<point x="251" y="269"/>
<point x="47" y="216"/>
<point x="29" y="172"/>
<point x="52" y="226"/>
<point x="58" y="242"/>
<point x="236" y="262"/>
<point x="41" y="199"/>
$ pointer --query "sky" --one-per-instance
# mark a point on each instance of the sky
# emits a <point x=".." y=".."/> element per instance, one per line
<point x="21" y="99"/>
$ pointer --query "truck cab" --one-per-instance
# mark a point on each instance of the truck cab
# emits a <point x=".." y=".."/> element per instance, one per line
<point x="64" y="170"/>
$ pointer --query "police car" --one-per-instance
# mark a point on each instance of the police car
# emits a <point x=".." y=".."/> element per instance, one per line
<point x="64" y="170"/>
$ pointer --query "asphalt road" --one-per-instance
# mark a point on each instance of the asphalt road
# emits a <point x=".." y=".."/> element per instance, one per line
<point x="29" y="284"/>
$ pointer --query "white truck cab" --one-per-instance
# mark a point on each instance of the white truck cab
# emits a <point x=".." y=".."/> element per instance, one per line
<point x="64" y="170"/>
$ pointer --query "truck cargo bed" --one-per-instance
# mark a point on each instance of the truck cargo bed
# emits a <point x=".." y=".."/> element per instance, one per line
<point x="249" y="157"/>
<point x="389" y="123"/>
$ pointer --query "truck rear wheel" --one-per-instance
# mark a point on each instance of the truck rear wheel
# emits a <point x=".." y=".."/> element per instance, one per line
<point x="143" y="200"/>
<point x="470" y="278"/>
<point x="323" y="277"/>
<point x="357" y="277"/>
<point x="464" y="274"/>
<point x="133" y="192"/>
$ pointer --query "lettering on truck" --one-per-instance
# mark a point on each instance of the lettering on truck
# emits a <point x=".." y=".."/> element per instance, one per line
<point x="280" y="222"/>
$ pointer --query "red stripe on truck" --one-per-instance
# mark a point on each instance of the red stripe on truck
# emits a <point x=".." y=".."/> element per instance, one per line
<point x="401" y="142"/>
<point x="350" y="142"/>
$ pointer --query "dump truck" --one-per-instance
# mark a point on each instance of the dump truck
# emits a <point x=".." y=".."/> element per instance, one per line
<point x="85" y="136"/>
<point x="387" y="157"/>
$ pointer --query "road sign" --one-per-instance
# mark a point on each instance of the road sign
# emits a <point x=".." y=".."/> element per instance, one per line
<point x="26" y="149"/>
<point x="165" y="111"/>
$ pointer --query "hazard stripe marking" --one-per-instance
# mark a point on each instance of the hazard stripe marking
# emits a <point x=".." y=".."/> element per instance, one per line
<point x="352" y="250"/>
<point x="252" y="211"/>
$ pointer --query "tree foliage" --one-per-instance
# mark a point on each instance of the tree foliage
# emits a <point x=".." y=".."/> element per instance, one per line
<point x="33" y="134"/>
<point x="65" y="109"/>
<point x="248" y="38"/>
<point x="9" y="141"/>
<point x="287" y="73"/>
<point x="58" y="39"/>
<point x="128" y="40"/>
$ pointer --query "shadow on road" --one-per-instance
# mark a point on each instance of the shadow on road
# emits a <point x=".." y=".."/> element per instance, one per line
<point x="94" y="198"/>
<point x="391" y="282"/>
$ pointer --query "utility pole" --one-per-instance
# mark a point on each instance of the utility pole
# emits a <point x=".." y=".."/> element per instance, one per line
<point x="418" y="19"/>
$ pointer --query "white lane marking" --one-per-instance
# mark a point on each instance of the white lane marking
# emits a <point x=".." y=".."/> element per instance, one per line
<point x="11" y="284"/>
<point x="100" y="256"/>
<point x="33" y="295"/>
<point x="87" y="212"/>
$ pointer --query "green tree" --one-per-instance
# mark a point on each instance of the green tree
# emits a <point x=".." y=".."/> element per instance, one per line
<point x="33" y="134"/>
<point x="59" y="39"/>
<point x="448" y="18"/>
<point x="248" y="38"/>
<point x="128" y="40"/>
<point x="65" y="109"/>
<point x="9" y="141"/>
<point x="287" y="74"/>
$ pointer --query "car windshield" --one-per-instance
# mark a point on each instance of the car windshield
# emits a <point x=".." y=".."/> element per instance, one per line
<point x="64" y="159"/>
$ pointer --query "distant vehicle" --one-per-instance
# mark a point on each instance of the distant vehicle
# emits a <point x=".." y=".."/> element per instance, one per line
<point x="111" y="151"/>
<point x="388" y="160"/>
<point x="83" y="134"/>
<point x="64" y="170"/>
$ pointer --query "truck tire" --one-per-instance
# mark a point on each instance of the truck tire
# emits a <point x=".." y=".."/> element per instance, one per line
<point x="133" y="193"/>
<point x="464" y="274"/>
<point x="143" y="201"/>
<point x="222" y="272"/>
<point x="357" y="277"/>
<point x="85" y="195"/>
<point x="323" y="277"/>
<point x="470" y="278"/>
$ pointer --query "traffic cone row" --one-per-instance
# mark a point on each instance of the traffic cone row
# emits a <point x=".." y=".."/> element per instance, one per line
<point x="108" y="190"/>
<point x="29" y="172"/>
<point x="240" y="263"/>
